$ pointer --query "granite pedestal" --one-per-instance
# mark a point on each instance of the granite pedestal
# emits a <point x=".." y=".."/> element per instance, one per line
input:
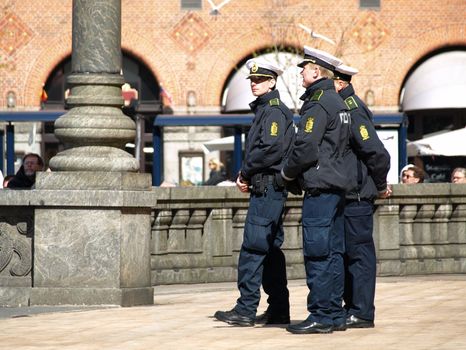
<point x="91" y="243"/>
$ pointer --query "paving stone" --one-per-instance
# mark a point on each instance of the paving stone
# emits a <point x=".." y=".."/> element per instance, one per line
<point x="421" y="312"/>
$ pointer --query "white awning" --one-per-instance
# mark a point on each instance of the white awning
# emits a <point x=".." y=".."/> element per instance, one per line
<point x="222" y="144"/>
<point x="438" y="83"/>
<point x="238" y="95"/>
<point x="451" y="144"/>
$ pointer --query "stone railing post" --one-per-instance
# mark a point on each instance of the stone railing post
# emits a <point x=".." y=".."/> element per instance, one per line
<point x="221" y="227"/>
<point x="387" y="238"/>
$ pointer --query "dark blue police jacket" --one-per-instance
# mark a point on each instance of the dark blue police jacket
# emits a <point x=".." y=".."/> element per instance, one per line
<point x="322" y="140"/>
<point x="370" y="161"/>
<point x="270" y="137"/>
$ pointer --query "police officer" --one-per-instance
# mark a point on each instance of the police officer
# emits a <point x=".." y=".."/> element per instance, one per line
<point x="369" y="165"/>
<point x="317" y="158"/>
<point x="261" y="260"/>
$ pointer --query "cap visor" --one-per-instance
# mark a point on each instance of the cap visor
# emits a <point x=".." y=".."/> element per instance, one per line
<point x="268" y="76"/>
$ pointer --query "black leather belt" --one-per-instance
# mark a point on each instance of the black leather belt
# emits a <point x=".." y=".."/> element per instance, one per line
<point x="314" y="192"/>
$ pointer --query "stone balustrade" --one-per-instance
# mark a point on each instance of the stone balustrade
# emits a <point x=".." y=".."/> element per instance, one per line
<point x="196" y="233"/>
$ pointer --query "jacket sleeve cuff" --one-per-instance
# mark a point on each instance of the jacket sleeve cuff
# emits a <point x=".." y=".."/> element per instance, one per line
<point x="382" y="189"/>
<point x="286" y="177"/>
<point x="244" y="176"/>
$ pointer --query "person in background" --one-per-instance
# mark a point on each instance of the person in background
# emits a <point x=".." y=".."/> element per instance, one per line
<point x="402" y="171"/>
<point x="261" y="260"/>
<point x="217" y="173"/>
<point x="7" y="179"/>
<point x="25" y="178"/>
<point x="369" y="166"/>
<point x="412" y="174"/>
<point x="458" y="176"/>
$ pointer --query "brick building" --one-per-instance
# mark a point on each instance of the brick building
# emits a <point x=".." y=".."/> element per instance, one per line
<point x="189" y="53"/>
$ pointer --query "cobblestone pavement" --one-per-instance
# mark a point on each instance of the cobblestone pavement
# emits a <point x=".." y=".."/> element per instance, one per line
<point x="427" y="312"/>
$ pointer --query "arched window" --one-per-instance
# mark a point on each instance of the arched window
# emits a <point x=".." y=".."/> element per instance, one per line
<point x="136" y="74"/>
<point x="237" y="93"/>
<point x="433" y="93"/>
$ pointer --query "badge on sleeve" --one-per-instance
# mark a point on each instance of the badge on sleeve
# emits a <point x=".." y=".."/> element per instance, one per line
<point x="274" y="129"/>
<point x="309" y="125"/>
<point x="364" y="133"/>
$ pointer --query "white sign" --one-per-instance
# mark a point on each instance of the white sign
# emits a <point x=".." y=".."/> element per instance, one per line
<point x="389" y="138"/>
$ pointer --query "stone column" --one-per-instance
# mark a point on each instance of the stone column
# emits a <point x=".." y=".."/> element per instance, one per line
<point x="95" y="128"/>
<point x="92" y="226"/>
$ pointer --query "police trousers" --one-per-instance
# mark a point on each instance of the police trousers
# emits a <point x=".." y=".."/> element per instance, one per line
<point x="323" y="248"/>
<point x="360" y="260"/>
<point x="261" y="261"/>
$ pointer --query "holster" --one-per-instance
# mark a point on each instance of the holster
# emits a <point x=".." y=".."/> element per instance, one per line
<point x="279" y="182"/>
<point x="259" y="182"/>
<point x="258" y="186"/>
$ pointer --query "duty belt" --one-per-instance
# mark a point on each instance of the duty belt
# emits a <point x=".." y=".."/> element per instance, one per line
<point x="260" y="181"/>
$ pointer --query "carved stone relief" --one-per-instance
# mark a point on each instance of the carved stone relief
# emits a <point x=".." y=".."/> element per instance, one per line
<point x="15" y="247"/>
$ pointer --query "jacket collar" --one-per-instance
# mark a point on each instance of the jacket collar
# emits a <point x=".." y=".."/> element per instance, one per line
<point x="323" y="84"/>
<point x="263" y="99"/>
<point x="347" y="92"/>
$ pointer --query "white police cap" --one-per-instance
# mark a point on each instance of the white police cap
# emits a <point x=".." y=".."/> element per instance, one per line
<point x="258" y="68"/>
<point x="319" y="57"/>
<point x="344" y="72"/>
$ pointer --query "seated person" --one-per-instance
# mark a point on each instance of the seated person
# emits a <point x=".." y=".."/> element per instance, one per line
<point x="26" y="176"/>
<point x="7" y="179"/>
<point x="412" y="174"/>
<point x="458" y="176"/>
<point x="217" y="173"/>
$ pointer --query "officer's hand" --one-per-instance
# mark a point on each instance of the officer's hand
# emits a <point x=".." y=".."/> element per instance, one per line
<point x="293" y="187"/>
<point x="387" y="193"/>
<point x="243" y="186"/>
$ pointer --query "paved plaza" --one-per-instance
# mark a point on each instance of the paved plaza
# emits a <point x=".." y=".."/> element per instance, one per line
<point x="425" y="312"/>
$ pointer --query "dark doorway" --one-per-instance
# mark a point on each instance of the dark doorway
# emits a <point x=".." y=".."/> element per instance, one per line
<point x="146" y="107"/>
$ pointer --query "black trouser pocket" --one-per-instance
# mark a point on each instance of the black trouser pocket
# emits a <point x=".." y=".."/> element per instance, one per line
<point x="316" y="237"/>
<point x="359" y="223"/>
<point x="258" y="233"/>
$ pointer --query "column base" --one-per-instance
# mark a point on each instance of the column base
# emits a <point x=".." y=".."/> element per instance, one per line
<point x="92" y="246"/>
<point x="94" y="159"/>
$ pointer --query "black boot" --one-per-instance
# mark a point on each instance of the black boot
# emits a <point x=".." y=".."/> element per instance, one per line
<point x="269" y="318"/>
<point x="356" y="322"/>
<point x="234" y="318"/>
<point x="309" y="327"/>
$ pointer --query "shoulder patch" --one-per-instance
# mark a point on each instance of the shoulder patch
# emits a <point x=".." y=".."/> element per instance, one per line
<point x="364" y="133"/>
<point x="309" y="125"/>
<point x="274" y="102"/>
<point x="274" y="129"/>
<point x="317" y="95"/>
<point x="351" y="103"/>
